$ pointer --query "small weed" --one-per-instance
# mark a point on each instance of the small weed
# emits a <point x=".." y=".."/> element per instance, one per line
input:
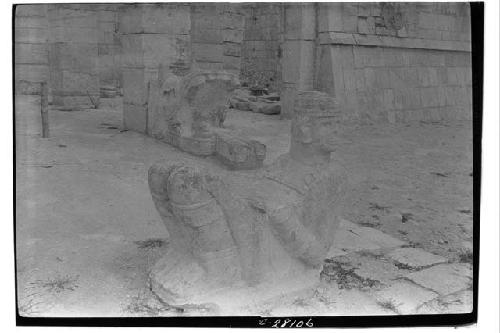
<point x="465" y="211"/>
<point x="375" y="206"/>
<point x="466" y="256"/>
<point x="58" y="284"/>
<point x="346" y="278"/>
<point x="405" y="217"/>
<point x="151" y="243"/>
<point x="300" y="302"/>
<point x="388" y="305"/>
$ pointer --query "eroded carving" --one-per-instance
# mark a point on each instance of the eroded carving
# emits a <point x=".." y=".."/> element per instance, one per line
<point x="251" y="234"/>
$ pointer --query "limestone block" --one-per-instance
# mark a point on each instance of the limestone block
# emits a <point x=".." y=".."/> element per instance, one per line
<point x="210" y="36"/>
<point x="31" y="54"/>
<point x="173" y="19"/>
<point x="31" y="22"/>
<point x="232" y="49"/>
<point x="405" y="296"/>
<point x="76" y="83"/>
<point x="32" y="73"/>
<point x="31" y="10"/>
<point x="30" y="35"/>
<point x="135" y="117"/>
<point x="232" y="35"/>
<point x="78" y="57"/>
<point x="239" y="154"/>
<point x="239" y="238"/>
<point x="208" y="52"/>
<point x="453" y="278"/>
<point x="74" y="34"/>
<point x="134" y="86"/>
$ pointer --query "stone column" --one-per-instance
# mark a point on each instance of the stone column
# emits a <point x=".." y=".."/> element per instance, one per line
<point x="155" y="39"/>
<point x="73" y="39"/>
<point x="298" y="53"/>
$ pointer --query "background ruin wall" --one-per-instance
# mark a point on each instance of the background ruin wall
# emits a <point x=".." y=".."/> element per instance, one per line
<point x="395" y="62"/>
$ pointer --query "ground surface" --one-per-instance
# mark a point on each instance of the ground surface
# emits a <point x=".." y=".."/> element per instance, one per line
<point x="87" y="230"/>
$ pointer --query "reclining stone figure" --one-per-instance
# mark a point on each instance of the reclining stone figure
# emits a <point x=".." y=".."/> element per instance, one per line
<point x="190" y="113"/>
<point x="239" y="237"/>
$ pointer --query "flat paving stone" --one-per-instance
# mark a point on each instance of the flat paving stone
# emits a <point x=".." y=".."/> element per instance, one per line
<point x="415" y="258"/>
<point x="405" y="297"/>
<point x="460" y="302"/>
<point x="351" y="237"/>
<point x="445" y="278"/>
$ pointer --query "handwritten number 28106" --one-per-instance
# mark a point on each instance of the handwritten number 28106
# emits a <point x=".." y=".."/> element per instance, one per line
<point x="278" y="323"/>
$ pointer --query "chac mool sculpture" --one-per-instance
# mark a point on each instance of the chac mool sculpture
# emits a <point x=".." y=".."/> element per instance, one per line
<point x="237" y="238"/>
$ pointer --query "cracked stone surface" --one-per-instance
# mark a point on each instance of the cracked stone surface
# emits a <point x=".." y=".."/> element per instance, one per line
<point x="415" y="258"/>
<point x="444" y="279"/>
<point x="459" y="302"/>
<point x="405" y="297"/>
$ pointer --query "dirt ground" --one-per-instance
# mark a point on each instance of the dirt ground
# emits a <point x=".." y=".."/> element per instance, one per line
<point x="87" y="231"/>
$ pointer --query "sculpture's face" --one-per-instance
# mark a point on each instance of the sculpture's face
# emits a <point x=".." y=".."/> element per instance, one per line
<point x="187" y="186"/>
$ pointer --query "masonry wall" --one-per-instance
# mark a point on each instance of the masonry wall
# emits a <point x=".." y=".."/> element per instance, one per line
<point x="73" y="55"/>
<point x="30" y="47"/>
<point x="216" y="36"/>
<point x="155" y="41"/>
<point x="261" y="48"/>
<point x="396" y="62"/>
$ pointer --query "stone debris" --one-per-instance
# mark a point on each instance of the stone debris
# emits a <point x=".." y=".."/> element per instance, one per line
<point x="405" y="297"/>
<point x="445" y="278"/>
<point x="415" y="258"/>
<point x="243" y="100"/>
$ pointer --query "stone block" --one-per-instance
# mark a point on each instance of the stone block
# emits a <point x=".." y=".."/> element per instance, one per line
<point x="30" y="35"/>
<point x="74" y="102"/>
<point x="415" y="258"/>
<point x="239" y="154"/>
<point x="31" y="73"/>
<point x="76" y="83"/>
<point x="31" y="22"/>
<point x="110" y="16"/>
<point x="78" y="57"/>
<point x="162" y="18"/>
<point x="330" y="17"/>
<point x="31" y="54"/>
<point x="444" y="279"/>
<point x="231" y="63"/>
<point x="208" y="52"/>
<point x="231" y="49"/>
<point x="31" y="10"/>
<point x="209" y="36"/>
<point x="135" y="117"/>
<point x="74" y="34"/>
<point x="405" y="296"/>
<point x="232" y="35"/>
<point x="134" y="86"/>
<point x="388" y="99"/>
<point x="159" y="49"/>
